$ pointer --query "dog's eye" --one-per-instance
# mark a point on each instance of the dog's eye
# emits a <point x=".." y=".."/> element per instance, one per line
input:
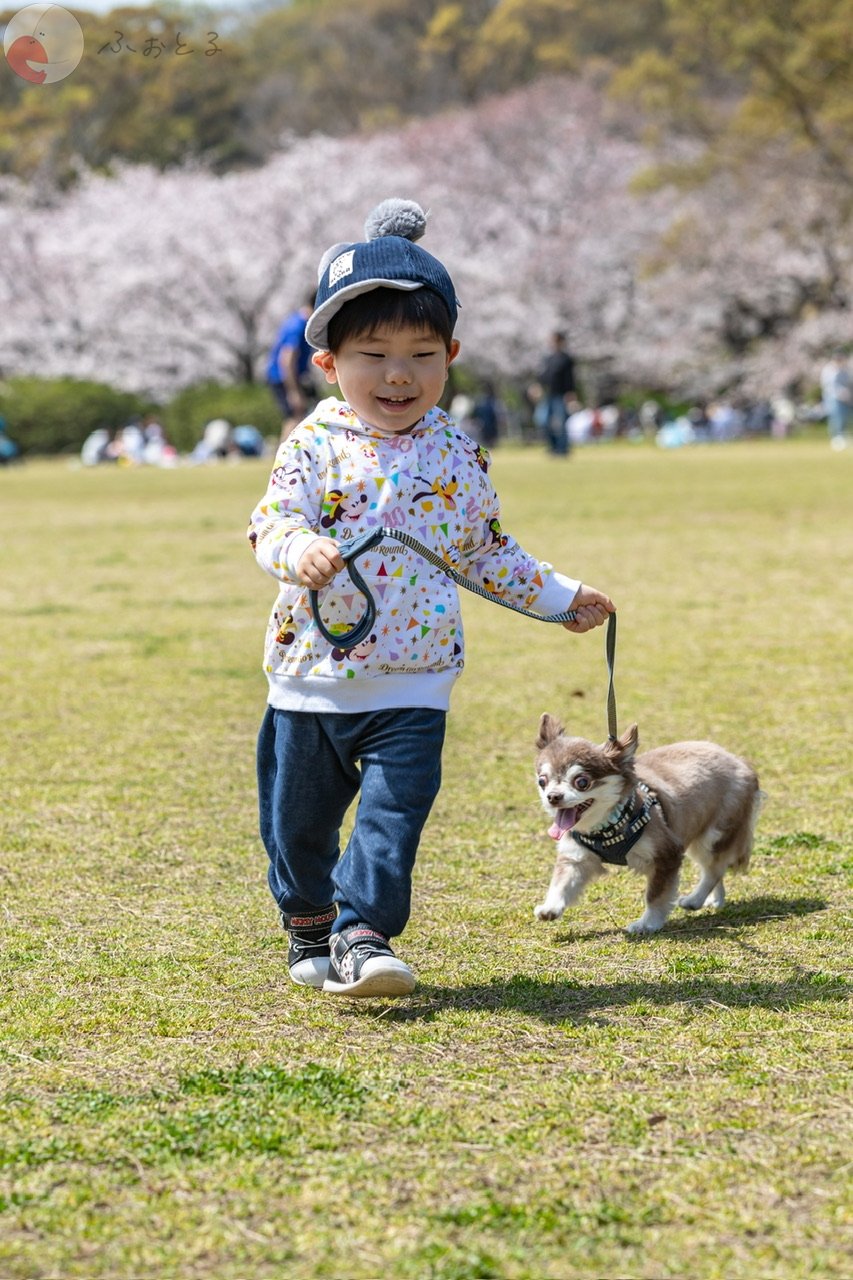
<point x="582" y="782"/>
<point x="542" y="780"/>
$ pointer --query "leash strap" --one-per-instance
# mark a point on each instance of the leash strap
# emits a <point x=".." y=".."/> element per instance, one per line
<point x="610" y="654"/>
<point x="568" y="615"/>
<point x="351" y="551"/>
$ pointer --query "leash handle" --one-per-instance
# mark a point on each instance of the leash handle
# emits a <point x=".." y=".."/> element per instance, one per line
<point x="350" y="551"/>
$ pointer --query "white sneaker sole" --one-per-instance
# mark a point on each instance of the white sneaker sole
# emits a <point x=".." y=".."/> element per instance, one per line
<point x="378" y="978"/>
<point x="311" y="972"/>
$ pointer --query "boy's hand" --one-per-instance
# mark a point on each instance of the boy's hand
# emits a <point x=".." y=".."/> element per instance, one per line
<point x="319" y="563"/>
<point x="592" y="606"/>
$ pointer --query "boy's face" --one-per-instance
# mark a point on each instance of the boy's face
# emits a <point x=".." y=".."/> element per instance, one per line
<point x="391" y="377"/>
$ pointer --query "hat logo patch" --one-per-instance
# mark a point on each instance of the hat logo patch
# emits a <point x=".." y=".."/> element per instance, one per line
<point x="342" y="266"/>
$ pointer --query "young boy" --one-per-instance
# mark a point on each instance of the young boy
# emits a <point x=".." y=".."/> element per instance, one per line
<point x="370" y="719"/>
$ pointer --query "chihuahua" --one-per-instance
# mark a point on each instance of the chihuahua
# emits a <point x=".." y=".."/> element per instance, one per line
<point x="645" y="812"/>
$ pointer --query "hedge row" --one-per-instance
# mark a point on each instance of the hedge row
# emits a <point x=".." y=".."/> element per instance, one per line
<point x="46" y="416"/>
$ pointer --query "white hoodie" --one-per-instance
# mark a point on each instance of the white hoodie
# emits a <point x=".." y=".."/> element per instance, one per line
<point x="336" y="477"/>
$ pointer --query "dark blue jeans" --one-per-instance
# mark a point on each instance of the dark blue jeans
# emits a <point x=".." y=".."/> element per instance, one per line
<point x="308" y="775"/>
<point x="550" y="417"/>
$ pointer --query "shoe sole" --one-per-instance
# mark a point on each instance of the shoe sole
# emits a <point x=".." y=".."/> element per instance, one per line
<point x="393" y="982"/>
<point x="305" y="977"/>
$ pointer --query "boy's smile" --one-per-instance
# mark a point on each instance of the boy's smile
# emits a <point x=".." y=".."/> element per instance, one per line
<point x="390" y="377"/>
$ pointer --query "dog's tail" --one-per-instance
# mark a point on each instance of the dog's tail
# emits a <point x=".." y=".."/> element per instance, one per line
<point x="742" y="846"/>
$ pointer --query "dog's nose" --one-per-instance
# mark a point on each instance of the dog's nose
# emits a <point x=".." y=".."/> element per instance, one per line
<point x="553" y="798"/>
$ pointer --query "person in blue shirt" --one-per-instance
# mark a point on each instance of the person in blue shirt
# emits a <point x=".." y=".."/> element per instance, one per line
<point x="289" y="367"/>
<point x="9" y="451"/>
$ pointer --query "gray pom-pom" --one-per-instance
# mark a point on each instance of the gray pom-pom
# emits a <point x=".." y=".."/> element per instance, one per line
<point x="396" y="218"/>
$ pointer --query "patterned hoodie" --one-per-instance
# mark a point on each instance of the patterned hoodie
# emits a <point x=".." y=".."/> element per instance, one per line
<point x="335" y="477"/>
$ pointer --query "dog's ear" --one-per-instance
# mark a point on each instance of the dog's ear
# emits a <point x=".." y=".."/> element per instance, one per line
<point x="549" y="729"/>
<point x="624" y="747"/>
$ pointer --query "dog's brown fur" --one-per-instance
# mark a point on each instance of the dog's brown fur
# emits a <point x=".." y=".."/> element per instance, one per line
<point x="708" y="803"/>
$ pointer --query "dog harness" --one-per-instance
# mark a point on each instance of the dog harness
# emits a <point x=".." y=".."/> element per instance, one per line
<point x="613" y="842"/>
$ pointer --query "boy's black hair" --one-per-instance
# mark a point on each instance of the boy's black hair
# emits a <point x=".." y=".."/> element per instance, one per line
<point x="421" y="309"/>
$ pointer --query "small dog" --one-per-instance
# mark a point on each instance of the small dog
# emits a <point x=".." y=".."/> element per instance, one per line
<point x="645" y="813"/>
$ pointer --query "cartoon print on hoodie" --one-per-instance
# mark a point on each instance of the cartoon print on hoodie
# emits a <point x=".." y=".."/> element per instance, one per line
<point x="438" y="489"/>
<point x="340" y="506"/>
<point x="358" y="653"/>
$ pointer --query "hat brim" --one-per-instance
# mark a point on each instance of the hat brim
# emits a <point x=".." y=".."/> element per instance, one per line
<point x="317" y="328"/>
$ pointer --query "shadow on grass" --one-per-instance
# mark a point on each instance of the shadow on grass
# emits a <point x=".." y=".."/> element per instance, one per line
<point x="580" y="1000"/>
<point x="708" y="921"/>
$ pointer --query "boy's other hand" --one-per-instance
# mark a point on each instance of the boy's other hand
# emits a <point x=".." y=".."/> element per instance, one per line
<point x="319" y="563"/>
<point x="592" y="608"/>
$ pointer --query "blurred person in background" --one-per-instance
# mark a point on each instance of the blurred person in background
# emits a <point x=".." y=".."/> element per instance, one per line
<point x="9" y="451"/>
<point x="156" y="452"/>
<point x="488" y="416"/>
<point x="216" y="441"/>
<point x="289" y="367"/>
<point x="556" y="385"/>
<point x="836" y="388"/>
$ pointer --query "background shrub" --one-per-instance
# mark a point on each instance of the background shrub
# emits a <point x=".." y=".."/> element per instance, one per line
<point x="184" y="418"/>
<point x="55" y="415"/>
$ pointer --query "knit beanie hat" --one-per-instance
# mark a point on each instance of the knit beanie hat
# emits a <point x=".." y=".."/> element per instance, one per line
<point x="388" y="258"/>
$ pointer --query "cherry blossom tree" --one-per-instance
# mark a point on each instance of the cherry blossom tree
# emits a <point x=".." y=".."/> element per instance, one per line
<point x="154" y="281"/>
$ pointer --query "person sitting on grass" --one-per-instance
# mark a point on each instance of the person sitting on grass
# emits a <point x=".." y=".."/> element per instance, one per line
<point x="371" y="719"/>
<point x="9" y="451"/>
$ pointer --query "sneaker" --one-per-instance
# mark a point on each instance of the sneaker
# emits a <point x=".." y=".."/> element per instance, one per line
<point x="363" y="964"/>
<point x="308" y="949"/>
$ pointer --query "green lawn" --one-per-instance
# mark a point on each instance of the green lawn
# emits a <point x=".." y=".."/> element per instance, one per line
<point x="555" y="1101"/>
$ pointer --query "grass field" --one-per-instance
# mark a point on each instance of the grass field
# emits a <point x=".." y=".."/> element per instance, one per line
<point x="555" y="1101"/>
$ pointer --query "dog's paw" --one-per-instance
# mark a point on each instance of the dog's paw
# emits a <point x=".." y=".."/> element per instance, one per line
<point x="643" y="927"/>
<point x="691" y="903"/>
<point x="544" y="912"/>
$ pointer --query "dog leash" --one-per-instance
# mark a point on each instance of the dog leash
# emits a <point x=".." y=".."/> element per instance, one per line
<point x="610" y="657"/>
<point x="351" y="551"/>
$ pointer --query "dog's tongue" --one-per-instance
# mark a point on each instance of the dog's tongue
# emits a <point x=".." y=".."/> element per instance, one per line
<point x="566" y="819"/>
